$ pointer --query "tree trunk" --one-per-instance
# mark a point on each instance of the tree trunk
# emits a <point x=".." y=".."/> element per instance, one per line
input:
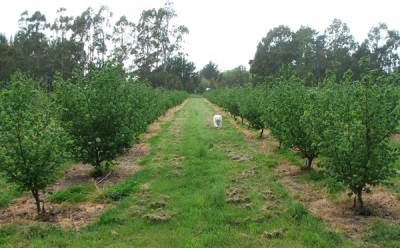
<point x="309" y="162"/>
<point x="35" y="194"/>
<point x="261" y="134"/>
<point x="359" y="198"/>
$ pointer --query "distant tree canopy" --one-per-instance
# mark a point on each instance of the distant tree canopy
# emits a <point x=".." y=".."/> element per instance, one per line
<point x="210" y="71"/>
<point x="311" y="54"/>
<point x="238" y="76"/>
<point x="151" y="48"/>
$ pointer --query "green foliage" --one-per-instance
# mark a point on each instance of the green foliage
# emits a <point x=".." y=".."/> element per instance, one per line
<point x="251" y="105"/>
<point x="286" y="108"/>
<point x="356" y="120"/>
<point x="210" y="71"/>
<point x="238" y="76"/>
<point x="95" y="115"/>
<point x="72" y="194"/>
<point x="273" y="51"/>
<point x="348" y="123"/>
<point x="33" y="142"/>
<point x="226" y="98"/>
<point x="177" y="203"/>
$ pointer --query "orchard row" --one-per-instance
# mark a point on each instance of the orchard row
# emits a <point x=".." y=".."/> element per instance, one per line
<point x="91" y="118"/>
<point x="347" y="125"/>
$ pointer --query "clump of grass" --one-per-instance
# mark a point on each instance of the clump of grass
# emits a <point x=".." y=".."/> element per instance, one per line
<point x="290" y="156"/>
<point x="324" y="180"/>
<point x="7" y="193"/>
<point x="73" y="194"/>
<point x="297" y="211"/>
<point x="264" y="160"/>
<point x="123" y="189"/>
<point x="202" y="153"/>
<point x="383" y="234"/>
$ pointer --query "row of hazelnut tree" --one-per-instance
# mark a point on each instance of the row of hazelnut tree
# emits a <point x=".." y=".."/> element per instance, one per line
<point x="91" y="118"/>
<point x="347" y="125"/>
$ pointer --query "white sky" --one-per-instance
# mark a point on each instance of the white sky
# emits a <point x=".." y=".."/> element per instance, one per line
<point x="226" y="32"/>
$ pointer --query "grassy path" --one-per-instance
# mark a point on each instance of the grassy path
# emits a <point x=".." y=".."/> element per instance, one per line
<point x="200" y="187"/>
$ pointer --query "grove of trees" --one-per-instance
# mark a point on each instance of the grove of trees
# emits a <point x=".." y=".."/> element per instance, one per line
<point x="346" y="123"/>
<point x="75" y="96"/>
<point x="311" y="54"/>
<point x="151" y="47"/>
<point x="325" y="96"/>
<point x="90" y="119"/>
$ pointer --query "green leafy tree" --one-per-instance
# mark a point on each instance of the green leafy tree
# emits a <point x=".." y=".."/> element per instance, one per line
<point x="9" y="60"/>
<point x="304" y="44"/>
<point x="287" y="106"/>
<point x="33" y="44"/>
<point x="95" y="115"/>
<point x="170" y="36"/>
<point x="158" y="40"/>
<point x="339" y="46"/>
<point x="384" y="47"/>
<point x="273" y="51"/>
<point x="123" y="39"/>
<point x="210" y="71"/>
<point x="101" y="35"/>
<point x="356" y="120"/>
<point x="238" y="76"/>
<point x="250" y="105"/>
<point x="32" y="142"/>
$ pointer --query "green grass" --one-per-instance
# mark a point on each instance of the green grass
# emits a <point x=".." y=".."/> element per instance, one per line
<point x="384" y="234"/>
<point x="396" y="179"/>
<point x="201" y="187"/>
<point x="322" y="181"/>
<point x="7" y="192"/>
<point x="291" y="156"/>
<point x="72" y="194"/>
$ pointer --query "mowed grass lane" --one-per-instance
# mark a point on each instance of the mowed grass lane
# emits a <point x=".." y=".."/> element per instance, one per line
<point x="200" y="187"/>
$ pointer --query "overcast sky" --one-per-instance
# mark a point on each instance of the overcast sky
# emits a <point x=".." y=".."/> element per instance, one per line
<point x="226" y="32"/>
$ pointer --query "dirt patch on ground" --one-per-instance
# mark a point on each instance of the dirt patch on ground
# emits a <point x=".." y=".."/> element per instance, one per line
<point x="338" y="215"/>
<point x="22" y="210"/>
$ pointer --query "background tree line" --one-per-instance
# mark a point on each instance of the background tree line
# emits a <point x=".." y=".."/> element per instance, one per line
<point x="151" y="48"/>
<point x="311" y="54"/>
